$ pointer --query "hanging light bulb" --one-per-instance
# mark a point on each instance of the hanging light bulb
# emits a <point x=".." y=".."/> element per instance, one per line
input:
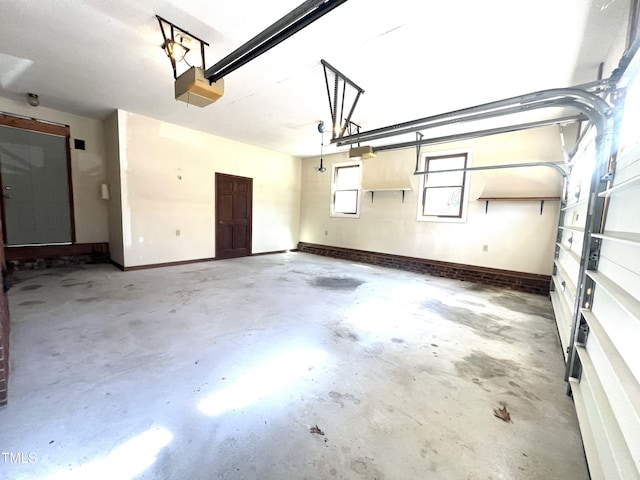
<point x="321" y="168"/>
<point x="175" y="50"/>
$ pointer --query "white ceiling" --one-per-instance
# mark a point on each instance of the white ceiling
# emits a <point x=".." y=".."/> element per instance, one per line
<point x="412" y="58"/>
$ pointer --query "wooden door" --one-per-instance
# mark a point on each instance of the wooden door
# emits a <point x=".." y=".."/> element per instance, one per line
<point x="233" y="216"/>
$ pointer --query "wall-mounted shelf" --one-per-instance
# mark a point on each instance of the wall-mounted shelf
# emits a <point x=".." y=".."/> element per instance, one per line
<point x="372" y="191"/>
<point x="518" y="199"/>
<point x="620" y="186"/>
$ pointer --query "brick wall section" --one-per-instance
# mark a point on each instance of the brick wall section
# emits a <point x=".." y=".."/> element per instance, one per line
<point x="36" y="258"/>
<point x="520" y="281"/>
<point x="4" y="347"/>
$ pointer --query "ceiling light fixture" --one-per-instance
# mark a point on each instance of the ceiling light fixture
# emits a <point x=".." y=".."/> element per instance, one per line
<point x="175" y="50"/>
<point x="33" y="99"/>
<point x="174" y="44"/>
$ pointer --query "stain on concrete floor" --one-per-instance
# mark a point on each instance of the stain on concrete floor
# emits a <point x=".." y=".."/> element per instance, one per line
<point x="31" y="302"/>
<point x="480" y="365"/>
<point x="337" y="283"/>
<point x="485" y="325"/>
<point x="520" y="304"/>
<point x="341" y="398"/>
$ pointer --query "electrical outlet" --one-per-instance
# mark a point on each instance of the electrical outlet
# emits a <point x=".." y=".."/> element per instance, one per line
<point x="177" y="232"/>
<point x="485" y="248"/>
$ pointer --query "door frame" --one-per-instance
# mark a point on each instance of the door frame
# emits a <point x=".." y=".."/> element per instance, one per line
<point x="249" y="210"/>
<point x="5" y="330"/>
<point x="50" y="128"/>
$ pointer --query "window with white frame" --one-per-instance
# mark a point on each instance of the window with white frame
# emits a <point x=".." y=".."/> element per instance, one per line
<point x="345" y="189"/>
<point x="443" y="193"/>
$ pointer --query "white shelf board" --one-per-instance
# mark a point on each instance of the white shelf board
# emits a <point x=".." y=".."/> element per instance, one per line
<point x="400" y="189"/>
<point x="630" y="238"/>
<point x="620" y="186"/>
<point x="618" y="294"/>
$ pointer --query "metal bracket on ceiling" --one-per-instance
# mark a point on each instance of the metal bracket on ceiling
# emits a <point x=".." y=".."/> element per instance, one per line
<point x="340" y="122"/>
<point x="174" y="43"/>
<point x="418" y="148"/>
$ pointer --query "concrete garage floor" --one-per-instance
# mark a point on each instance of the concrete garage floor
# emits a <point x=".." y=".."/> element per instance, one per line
<point x="220" y="369"/>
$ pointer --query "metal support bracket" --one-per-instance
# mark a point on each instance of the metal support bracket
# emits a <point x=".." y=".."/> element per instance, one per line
<point x="170" y="39"/>
<point x="339" y="121"/>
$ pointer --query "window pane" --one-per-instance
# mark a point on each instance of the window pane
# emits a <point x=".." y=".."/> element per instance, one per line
<point x="345" y="201"/>
<point x="347" y="177"/>
<point x="442" y="201"/>
<point x="445" y="179"/>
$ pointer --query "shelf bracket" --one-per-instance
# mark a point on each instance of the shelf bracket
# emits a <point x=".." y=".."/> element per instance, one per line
<point x="372" y="192"/>
<point x="403" y="196"/>
<point x="486" y="206"/>
<point x="541" y="206"/>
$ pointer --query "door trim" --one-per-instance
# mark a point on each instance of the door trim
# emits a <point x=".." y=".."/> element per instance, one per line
<point x="49" y="128"/>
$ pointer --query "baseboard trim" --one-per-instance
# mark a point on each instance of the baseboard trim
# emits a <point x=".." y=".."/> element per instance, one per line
<point x="520" y="281"/>
<point x="117" y="265"/>
<point x="165" y="264"/>
<point x="269" y="253"/>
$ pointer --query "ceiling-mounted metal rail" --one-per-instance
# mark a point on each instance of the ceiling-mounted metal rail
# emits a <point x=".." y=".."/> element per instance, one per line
<point x="588" y="103"/>
<point x="555" y="166"/>
<point x="479" y="133"/>
<point x="300" y="17"/>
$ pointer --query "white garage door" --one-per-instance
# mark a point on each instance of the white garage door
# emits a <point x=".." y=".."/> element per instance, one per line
<point x="597" y="307"/>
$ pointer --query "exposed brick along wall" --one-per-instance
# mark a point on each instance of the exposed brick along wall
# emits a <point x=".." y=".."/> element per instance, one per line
<point x="523" y="282"/>
<point x="4" y="347"/>
<point x="35" y="258"/>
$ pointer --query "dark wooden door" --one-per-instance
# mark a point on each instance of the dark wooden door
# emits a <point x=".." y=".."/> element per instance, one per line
<point x="233" y="216"/>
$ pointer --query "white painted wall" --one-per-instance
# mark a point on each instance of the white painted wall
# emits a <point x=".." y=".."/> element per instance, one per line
<point x="518" y="237"/>
<point x="112" y="160"/>
<point x="87" y="167"/>
<point x="167" y="177"/>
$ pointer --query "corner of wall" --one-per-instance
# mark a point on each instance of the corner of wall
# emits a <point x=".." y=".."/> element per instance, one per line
<point x="113" y="151"/>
